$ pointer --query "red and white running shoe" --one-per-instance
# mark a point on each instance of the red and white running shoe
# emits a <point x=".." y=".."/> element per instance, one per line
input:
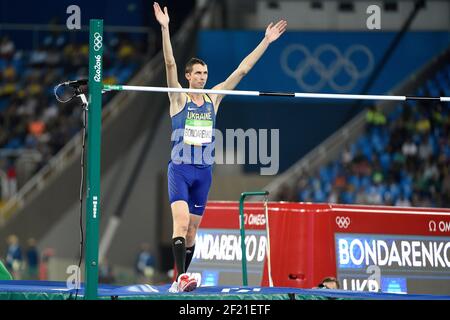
<point x="186" y="283"/>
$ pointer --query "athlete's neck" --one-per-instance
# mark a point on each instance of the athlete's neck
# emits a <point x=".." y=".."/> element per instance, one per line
<point x="197" y="98"/>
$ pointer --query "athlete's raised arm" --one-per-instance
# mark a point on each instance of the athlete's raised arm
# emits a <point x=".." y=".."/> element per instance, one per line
<point x="273" y="32"/>
<point x="176" y="99"/>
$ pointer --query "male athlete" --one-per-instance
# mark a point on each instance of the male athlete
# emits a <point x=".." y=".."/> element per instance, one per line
<point x="193" y="122"/>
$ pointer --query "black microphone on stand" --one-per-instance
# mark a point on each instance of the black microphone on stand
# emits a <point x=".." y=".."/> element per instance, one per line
<point x="76" y="85"/>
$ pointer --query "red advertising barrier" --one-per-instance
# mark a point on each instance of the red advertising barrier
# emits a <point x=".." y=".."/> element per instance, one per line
<point x="405" y="250"/>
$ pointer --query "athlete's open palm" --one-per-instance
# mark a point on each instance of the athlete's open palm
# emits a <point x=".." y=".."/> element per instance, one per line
<point x="273" y="32"/>
<point x="162" y="17"/>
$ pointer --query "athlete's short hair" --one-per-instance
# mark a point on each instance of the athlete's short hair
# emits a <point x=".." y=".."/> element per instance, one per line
<point x="327" y="280"/>
<point x="191" y="63"/>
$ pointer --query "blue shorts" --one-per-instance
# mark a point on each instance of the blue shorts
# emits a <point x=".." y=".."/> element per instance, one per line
<point x="189" y="183"/>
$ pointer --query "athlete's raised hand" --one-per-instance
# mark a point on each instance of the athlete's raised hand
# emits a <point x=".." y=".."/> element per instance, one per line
<point x="273" y="32"/>
<point x="162" y="17"/>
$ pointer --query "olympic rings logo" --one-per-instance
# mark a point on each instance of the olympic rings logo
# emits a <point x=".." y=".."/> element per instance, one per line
<point x="343" y="222"/>
<point x="98" y="41"/>
<point x="327" y="73"/>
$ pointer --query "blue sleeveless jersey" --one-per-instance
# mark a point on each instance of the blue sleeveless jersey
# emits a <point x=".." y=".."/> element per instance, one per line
<point x="193" y="134"/>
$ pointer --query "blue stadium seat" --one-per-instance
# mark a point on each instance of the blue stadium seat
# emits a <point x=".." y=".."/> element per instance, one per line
<point x="348" y="197"/>
<point x="4" y="102"/>
<point x="394" y="189"/>
<point x="354" y="180"/>
<point x="325" y="174"/>
<point x="385" y="161"/>
<point x="14" y="143"/>
<point x="366" y="182"/>
<point x="319" y="196"/>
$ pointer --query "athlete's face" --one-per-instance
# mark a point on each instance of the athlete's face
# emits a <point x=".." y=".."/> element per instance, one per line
<point x="197" y="78"/>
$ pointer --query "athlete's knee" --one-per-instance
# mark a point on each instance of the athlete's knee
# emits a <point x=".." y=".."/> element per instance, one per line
<point x="181" y="229"/>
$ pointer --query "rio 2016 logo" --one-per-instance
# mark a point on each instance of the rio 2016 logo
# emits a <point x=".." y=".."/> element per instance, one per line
<point x="97" y="45"/>
<point x="98" y="68"/>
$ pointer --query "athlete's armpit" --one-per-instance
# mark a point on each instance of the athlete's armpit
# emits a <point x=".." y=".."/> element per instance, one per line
<point x="177" y="103"/>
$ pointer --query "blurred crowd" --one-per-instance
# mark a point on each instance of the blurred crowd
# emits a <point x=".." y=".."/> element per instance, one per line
<point x="26" y="262"/>
<point x="402" y="159"/>
<point x="30" y="117"/>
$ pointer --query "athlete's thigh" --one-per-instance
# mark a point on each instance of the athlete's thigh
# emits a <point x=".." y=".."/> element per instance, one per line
<point x="198" y="192"/>
<point x="177" y="183"/>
